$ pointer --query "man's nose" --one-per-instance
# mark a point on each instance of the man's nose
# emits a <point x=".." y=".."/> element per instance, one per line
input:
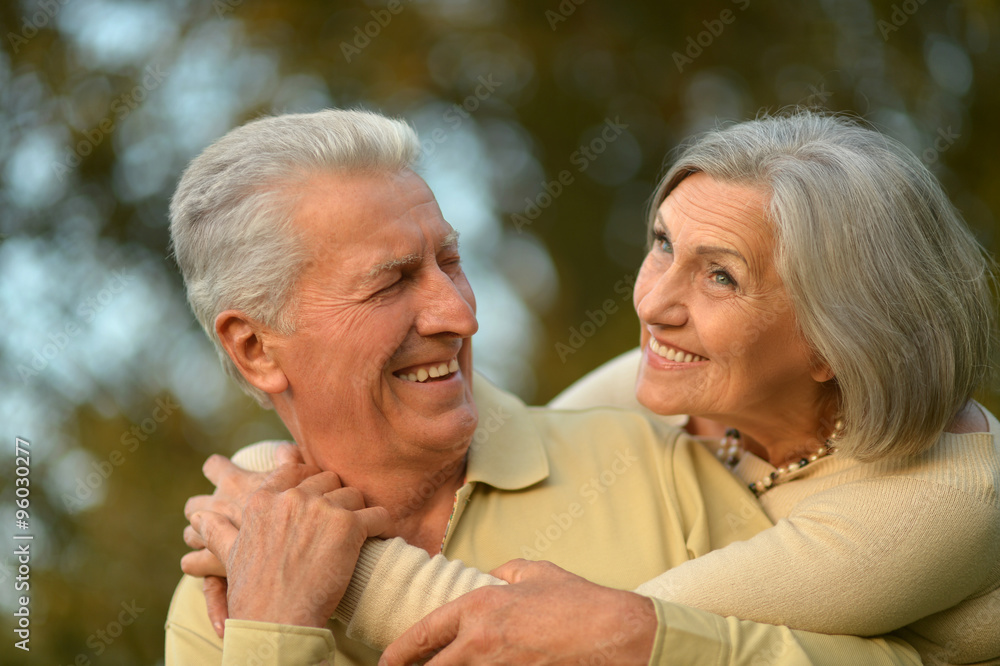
<point x="448" y="307"/>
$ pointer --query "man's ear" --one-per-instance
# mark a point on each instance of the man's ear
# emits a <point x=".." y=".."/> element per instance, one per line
<point x="247" y="343"/>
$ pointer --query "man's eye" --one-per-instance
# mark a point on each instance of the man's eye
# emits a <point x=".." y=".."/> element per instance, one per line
<point x="390" y="287"/>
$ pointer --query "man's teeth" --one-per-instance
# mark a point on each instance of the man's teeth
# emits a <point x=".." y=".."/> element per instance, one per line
<point x="672" y="354"/>
<point x="432" y="371"/>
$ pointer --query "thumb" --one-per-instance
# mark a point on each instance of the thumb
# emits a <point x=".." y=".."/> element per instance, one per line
<point x="215" y="598"/>
<point x="520" y="570"/>
<point x="431" y="634"/>
<point x="288" y="454"/>
<point x="375" y="520"/>
<point x="216" y="531"/>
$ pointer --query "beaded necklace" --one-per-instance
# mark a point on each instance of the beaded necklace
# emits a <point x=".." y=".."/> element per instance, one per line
<point x="731" y="450"/>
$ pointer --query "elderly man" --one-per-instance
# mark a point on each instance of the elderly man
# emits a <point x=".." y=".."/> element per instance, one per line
<point x="321" y="267"/>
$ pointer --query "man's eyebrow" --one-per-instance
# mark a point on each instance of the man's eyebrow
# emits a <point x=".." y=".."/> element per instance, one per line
<point x="389" y="265"/>
<point x="450" y="242"/>
<point x="713" y="249"/>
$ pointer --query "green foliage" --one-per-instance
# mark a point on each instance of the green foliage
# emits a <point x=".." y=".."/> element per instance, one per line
<point x="110" y="120"/>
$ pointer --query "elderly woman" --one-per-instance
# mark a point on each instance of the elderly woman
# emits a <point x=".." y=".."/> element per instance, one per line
<point x="816" y="305"/>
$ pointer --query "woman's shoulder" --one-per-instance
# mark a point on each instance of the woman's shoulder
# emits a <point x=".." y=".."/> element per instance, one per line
<point x="965" y="458"/>
<point x="973" y="418"/>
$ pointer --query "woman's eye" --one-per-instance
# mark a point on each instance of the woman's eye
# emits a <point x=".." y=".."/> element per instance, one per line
<point x="722" y="278"/>
<point x="663" y="243"/>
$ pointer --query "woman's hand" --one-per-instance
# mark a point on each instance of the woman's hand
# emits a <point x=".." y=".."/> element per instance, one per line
<point x="546" y="616"/>
<point x="293" y="556"/>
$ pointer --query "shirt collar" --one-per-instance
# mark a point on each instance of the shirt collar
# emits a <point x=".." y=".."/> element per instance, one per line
<point x="506" y="451"/>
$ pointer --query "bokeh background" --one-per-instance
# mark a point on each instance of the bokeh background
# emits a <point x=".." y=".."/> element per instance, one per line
<point x="102" y="367"/>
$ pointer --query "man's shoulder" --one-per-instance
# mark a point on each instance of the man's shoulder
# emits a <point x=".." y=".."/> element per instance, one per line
<point x="588" y="426"/>
<point x="187" y="618"/>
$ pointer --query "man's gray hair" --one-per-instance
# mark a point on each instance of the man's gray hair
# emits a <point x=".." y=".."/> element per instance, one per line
<point x="888" y="284"/>
<point x="231" y="216"/>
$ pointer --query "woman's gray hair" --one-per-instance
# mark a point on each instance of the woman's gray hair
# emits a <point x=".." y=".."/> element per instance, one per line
<point x="888" y="284"/>
<point x="231" y="217"/>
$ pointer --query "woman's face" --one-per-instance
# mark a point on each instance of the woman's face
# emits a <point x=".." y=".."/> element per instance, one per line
<point x="719" y="336"/>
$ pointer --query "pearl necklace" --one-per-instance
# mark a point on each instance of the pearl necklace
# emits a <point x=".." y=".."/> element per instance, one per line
<point x="730" y="451"/>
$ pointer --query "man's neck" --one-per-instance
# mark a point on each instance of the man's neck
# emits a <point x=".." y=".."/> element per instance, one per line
<point x="420" y="503"/>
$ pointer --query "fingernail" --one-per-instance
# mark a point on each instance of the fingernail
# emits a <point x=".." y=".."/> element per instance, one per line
<point x="218" y="628"/>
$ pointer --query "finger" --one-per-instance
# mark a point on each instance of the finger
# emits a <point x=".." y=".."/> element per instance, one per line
<point x="514" y="571"/>
<point x="375" y="520"/>
<point x="219" y="503"/>
<point x="285" y="477"/>
<point x="320" y="484"/>
<point x="215" y="598"/>
<point x="219" y="534"/>
<point x="346" y="498"/>
<point x="196" y="504"/>
<point x="193" y="539"/>
<point x="428" y="636"/>
<point x="202" y="563"/>
<point x="288" y="454"/>
<point x="217" y="468"/>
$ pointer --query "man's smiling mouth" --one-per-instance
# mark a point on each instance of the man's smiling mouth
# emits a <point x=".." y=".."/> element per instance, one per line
<point x="428" y="371"/>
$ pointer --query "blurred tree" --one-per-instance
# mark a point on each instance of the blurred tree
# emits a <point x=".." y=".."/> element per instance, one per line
<point x="105" y="102"/>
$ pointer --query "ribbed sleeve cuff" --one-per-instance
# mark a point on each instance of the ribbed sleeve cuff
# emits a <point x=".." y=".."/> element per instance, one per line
<point x="371" y="553"/>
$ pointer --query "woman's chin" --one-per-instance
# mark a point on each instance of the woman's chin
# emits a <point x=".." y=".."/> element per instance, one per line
<point x="660" y="399"/>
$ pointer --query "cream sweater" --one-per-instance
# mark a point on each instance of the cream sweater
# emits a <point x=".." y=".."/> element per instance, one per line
<point x="910" y="548"/>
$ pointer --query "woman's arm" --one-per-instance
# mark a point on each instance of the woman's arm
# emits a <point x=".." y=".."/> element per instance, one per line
<point x="862" y="558"/>
<point x="550" y="616"/>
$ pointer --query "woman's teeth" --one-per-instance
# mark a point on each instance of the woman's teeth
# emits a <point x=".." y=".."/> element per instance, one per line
<point x="432" y="371"/>
<point x="672" y="354"/>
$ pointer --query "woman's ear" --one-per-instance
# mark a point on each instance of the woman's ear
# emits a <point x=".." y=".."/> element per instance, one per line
<point x="821" y="371"/>
<point x="247" y="343"/>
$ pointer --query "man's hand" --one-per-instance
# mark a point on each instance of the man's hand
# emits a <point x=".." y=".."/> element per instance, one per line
<point x="546" y="616"/>
<point x="292" y="558"/>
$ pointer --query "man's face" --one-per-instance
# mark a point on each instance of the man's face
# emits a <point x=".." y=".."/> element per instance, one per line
<point x="381" y="357"/>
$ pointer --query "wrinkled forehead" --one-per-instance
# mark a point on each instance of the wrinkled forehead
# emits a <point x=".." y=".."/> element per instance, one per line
<point x="366" y="222"/>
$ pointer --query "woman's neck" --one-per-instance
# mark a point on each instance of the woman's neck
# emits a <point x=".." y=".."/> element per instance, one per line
<point x="779" y="440"/>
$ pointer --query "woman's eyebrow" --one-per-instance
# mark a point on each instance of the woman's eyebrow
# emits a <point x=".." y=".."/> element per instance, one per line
<point x="714" y="249"/>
